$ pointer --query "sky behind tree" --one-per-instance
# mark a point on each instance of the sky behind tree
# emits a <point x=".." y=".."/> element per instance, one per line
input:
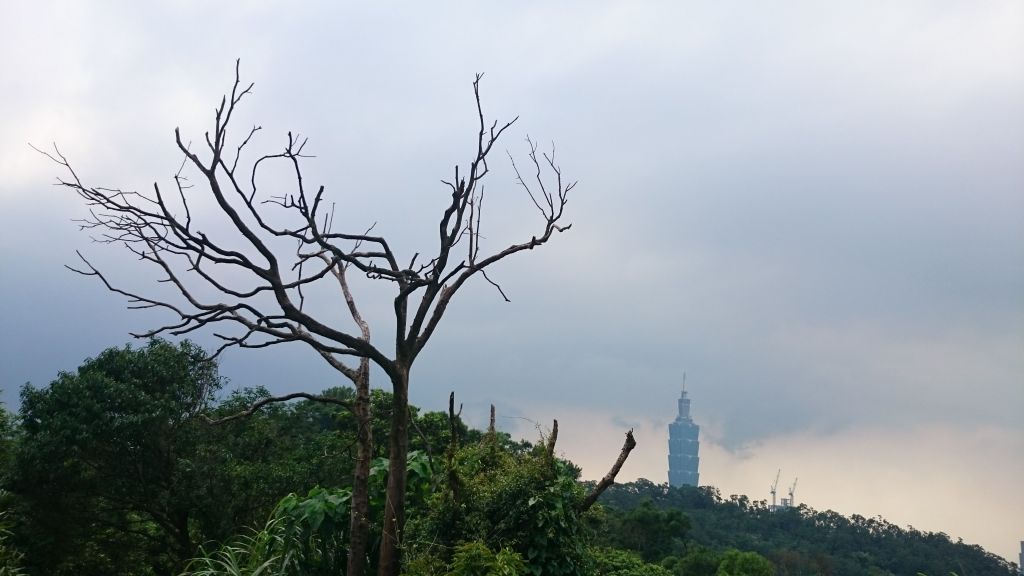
<point x="815" y="210"/>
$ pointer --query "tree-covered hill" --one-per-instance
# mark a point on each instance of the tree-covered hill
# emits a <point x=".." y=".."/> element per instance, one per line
<point x="802" y="540"/>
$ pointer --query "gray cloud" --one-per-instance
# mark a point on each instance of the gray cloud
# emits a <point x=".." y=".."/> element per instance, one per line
<point x="813" y="209"/>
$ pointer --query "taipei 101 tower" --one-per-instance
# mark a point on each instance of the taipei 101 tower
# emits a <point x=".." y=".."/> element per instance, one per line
<point x="683" y="446"/>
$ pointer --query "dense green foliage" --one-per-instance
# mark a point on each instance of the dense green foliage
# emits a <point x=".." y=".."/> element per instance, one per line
<point x="115" y="472"/>
<point x="736" y="563"/>
<point x="113" y="469"/>
<point x="305" y="536"/>
<point x="476" y="559"/>
<point x="524" y="500"/>
<point x="10" y="557"/>
<point x="652" y="532"/>
<point x="105" y="468"/>
<point x="615" y="562"/>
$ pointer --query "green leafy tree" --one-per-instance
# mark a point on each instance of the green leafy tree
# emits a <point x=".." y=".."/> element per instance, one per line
<point x="652" y="532"/>
<point x="118" y="473"/>
<point x="614" y="562"/>
<point x="698" y="561"/>
<point x="737" y="563"/>
<point x="103" y="465"/>
<point x="476" y="559"/>
<point x="247" y="465"/>
<point x="526" y="502"/>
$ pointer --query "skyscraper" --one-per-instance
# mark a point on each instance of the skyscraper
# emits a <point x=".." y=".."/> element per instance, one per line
<point x="683" y="445"/>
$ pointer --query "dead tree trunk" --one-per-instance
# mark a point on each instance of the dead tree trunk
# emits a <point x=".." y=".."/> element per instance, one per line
<point x="394" y="499"/>
<point x="359" y="524"/>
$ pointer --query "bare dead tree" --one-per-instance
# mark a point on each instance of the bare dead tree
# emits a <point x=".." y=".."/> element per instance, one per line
<point x="609" y="478"/>
<point x="552" y="438"/>
<point x="243" y="280"/>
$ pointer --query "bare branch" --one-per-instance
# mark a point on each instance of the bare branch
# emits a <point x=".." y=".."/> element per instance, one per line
<point x="609" y="478"/>
<point x="552" y="438"/>
<point x="255" y="407"/>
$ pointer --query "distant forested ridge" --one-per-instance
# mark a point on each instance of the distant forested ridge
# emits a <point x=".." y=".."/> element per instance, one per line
<point x="801" y="540"/>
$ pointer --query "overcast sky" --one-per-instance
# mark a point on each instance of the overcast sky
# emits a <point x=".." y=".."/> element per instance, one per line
<point x="815" y="210"/>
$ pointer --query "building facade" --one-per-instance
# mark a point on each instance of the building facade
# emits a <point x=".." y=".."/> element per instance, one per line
<point x="683" y="447"/>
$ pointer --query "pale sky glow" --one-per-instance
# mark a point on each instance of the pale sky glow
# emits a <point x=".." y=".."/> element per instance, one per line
<point x="815" y="209"/>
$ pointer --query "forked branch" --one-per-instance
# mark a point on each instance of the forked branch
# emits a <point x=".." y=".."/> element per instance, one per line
<point x="609" y="478"/>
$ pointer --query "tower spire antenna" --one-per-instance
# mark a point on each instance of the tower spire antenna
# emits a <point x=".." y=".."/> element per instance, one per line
<point x="775" y="486"/>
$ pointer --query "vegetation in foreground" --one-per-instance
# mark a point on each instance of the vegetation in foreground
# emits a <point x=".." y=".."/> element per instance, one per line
<point x="114" y="469"/>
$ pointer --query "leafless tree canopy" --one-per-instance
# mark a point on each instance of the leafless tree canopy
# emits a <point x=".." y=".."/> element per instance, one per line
<point x="158" y="228"/>
<point x="238" y="277"/>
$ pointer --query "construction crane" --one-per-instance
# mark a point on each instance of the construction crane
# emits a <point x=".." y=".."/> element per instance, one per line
<point x="775" y="485"/>
<point x="792" y="489"/>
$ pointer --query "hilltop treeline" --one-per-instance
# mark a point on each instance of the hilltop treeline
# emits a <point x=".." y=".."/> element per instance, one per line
<point x="801" y="540"/>
<point x="115" y="468"/>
